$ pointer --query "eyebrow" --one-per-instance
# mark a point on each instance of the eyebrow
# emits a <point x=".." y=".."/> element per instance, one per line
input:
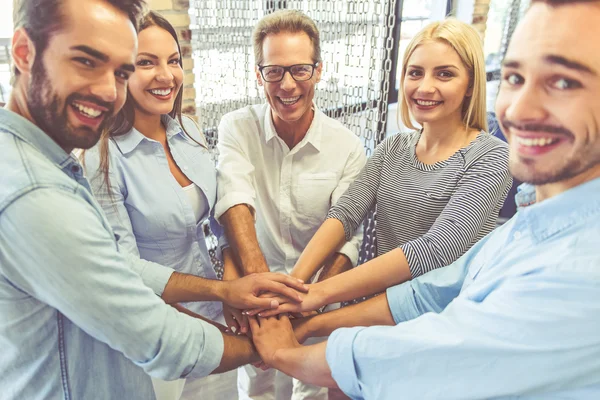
<point x="155" y="56"/>
<point x="557" y="60"/>
<point x="92" y="52"/>
<point x="101" y="56"/>
<point x="435" y="68"/>
<point x="565" y="62"/>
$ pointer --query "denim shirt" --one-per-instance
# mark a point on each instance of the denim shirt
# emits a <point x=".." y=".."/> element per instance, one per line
<point x="149" y="210"/>
<point x="517" y="316"/>
<point x="76" y="321"/>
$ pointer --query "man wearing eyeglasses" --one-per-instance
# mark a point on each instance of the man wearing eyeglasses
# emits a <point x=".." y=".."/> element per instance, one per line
<point x="281" y="166"/>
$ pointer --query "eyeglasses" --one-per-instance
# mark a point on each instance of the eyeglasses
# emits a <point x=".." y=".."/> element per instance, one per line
<point x="275" y="73"/>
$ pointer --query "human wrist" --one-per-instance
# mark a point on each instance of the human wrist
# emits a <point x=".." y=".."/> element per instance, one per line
<point x="321" y="293"/>
<point x="221" y="290"/>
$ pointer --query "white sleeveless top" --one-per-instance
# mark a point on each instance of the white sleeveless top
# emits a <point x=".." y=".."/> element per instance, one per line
<point x="197" y="201"/>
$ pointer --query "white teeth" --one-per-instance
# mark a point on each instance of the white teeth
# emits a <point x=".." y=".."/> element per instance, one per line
<point x="541" y="142"/>
<point x="289" y="100"/>
<point x="163" y="92"/>
<point x="88" y="111"/>
<point x="427" y="103"/>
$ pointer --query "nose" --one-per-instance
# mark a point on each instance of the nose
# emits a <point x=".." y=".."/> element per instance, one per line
<point x="105" y="88"/>
<point x="164" y="74"/>
<point x="525" y="104"/>
<point x="427" y="85"/>
<point x="287" y="83"/>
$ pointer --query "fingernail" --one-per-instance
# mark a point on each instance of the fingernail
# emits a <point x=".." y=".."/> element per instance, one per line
<point x="306" y="287"/>
<point x="245" y="312"/>
<point x="259" y="314"/>
<point x="300" y="280"/>
<point x="274" y="304"/>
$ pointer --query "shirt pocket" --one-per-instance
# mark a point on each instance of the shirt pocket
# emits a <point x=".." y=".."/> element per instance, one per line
<point x="312" y="195"/>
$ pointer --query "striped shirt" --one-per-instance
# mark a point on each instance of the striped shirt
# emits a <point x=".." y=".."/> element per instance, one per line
<point x="433" y="212"/>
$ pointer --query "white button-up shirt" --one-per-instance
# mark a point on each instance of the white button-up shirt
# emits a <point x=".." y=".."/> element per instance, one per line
<point x="289" y="190"/>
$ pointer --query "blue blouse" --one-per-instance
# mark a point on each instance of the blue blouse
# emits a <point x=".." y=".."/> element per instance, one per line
<point x="149" y="210"/>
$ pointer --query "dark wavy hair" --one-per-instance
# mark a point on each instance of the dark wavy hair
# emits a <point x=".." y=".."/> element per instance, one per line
<point x="124" y="120"/>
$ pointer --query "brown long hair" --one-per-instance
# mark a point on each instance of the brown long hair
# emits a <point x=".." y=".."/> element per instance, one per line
<point x="124" y="120"/>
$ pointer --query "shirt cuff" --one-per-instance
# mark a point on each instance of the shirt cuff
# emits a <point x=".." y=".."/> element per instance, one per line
<point x="340" y="357"/>
<point x="211" y="353"/>
<point x="155" y="276"/>
<point x="350" y="251"/>
<point x="401" y="302"/>
<point x="232" y="199"/>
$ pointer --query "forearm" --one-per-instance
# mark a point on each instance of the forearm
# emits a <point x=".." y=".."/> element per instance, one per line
<point x="337" y="264"/>
<point x="230" y="269"/>
<point x="238" y="351"/>
<point x="238" y="222"/>
<point x="305" y="363"/>
<point x="375" y="311"/>
<point x="182" y="288"/>
<point x="370" y="278"/>
<point x="327" y="240"/>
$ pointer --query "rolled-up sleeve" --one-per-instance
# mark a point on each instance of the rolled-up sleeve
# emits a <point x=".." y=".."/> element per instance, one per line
<point x="55" y="247"/>
<point x="235" y="172"/>
<point x="479" y="194"/>
<point x="431" y="292"/>
<point x="518" y="339"/>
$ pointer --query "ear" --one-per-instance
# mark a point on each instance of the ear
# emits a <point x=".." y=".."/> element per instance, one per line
<point x="470" y="88"/>
<point x="23" y="51"/>
<point x="318" y="72"/>
<point x="258" y="76"/>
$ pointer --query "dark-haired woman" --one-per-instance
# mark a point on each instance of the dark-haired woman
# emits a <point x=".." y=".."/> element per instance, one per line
<point x="154" y="176"/>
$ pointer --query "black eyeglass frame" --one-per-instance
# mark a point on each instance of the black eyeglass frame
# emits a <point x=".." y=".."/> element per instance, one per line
<point x="287" y="69"/>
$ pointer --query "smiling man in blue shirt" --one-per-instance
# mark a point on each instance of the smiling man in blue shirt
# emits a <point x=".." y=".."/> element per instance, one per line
<point x="519" y="314"/>
<point x="76" y="319"/>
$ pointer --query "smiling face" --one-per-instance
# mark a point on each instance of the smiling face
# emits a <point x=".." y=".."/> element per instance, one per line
<point x="549" y="99"/>
<point x="158" y="76"/>
<point x="80" y="79"/>
<point x="436" y="83"/>
<point x="290" y="101"/>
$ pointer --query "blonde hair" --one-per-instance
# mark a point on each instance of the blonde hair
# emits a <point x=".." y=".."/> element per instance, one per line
<point x="292" y="21"/>
<point x="467" y="43"/>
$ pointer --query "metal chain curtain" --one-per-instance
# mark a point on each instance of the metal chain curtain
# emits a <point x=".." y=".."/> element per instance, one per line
<point x="356" y="43"/>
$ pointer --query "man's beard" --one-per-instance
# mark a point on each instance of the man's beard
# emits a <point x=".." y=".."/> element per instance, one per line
<point x="569" y="167"/>
<point x="50" y="113"/>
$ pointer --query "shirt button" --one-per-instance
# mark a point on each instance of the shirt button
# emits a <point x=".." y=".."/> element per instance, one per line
<point x="75" y="169"/>
<point x="185" y="168"/>
<point x="517" y="235"/>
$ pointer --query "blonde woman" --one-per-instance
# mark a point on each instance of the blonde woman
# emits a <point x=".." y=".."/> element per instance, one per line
<point x="438" y="189"/>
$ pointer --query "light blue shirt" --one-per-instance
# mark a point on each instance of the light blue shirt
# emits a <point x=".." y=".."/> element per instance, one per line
<point x="517" y="316"/>
<point x="76" y="322"/>
<point x="149" y="210"/>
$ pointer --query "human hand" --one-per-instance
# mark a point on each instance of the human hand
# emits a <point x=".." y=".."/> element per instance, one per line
<point x="235" y="320"/>
<point x="301" y="328"/>
<point x="244" y="293"/>
<point x="271" y="335"/>
<point x="312" y="301"/>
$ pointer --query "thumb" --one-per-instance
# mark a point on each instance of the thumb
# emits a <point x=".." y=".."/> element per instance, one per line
<point x="265" y="303"/>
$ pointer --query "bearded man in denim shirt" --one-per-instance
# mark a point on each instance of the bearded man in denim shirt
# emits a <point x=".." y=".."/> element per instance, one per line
<point x="76" y="319"/>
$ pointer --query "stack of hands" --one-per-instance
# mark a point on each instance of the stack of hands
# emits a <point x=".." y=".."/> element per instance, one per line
<point x="272" y="309"/>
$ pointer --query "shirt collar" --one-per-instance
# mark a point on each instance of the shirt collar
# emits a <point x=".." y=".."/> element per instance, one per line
<point x="32" y="134"/>
<point x="313" y="135"/>
<point x="553" y="215"/>
<point x="130" y="140"/>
